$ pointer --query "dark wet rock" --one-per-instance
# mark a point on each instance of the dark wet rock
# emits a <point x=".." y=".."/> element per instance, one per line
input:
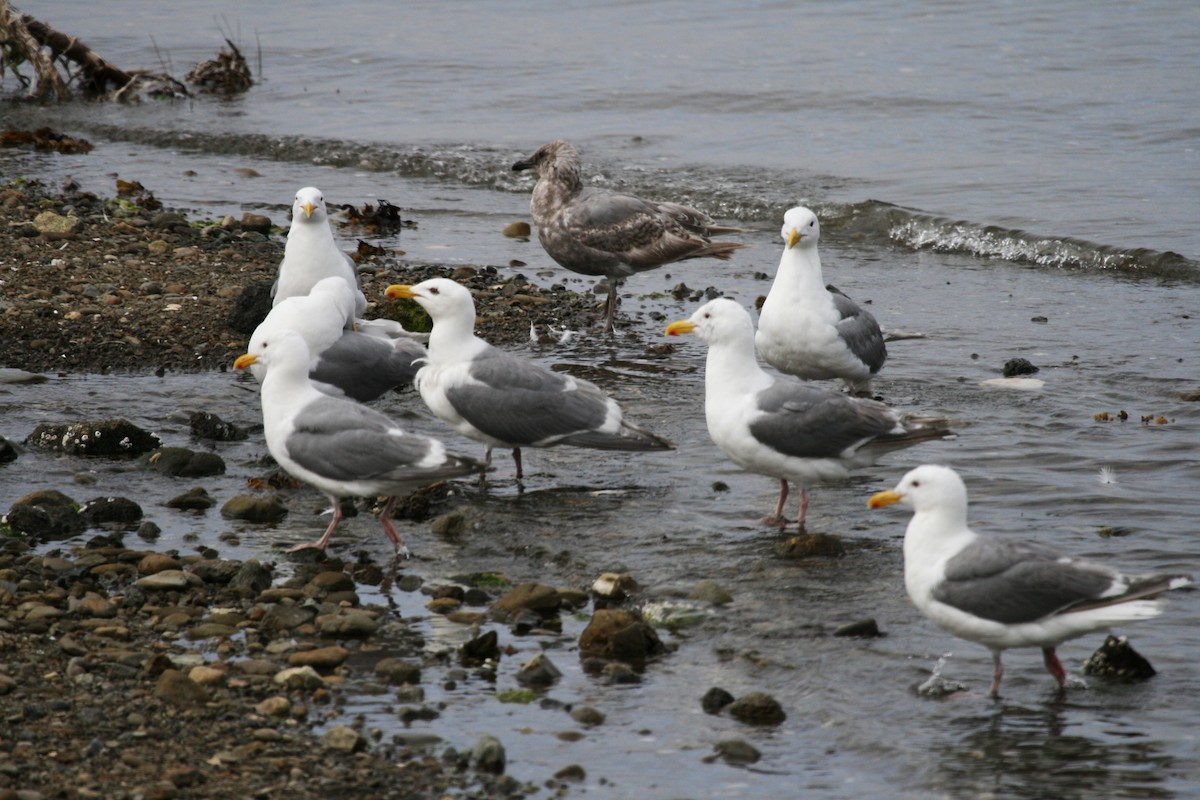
<point x="572" y="773"/>
<point x="587" y="716"/>
<point x="517" y="230"/>
<point x="1018" y="366"/>
<point x="536" y="597"/>
<point x="259" y="223"/>
<point x="216" y="570"/>
<point x="398" y="671"/>
<point x="329" y="581"/>
<point x="209" y="426"/>
<point x="167" y="580"/>
<point x="350" y="625"/>
<point x="153" y="563"/>
<point x="757" y="708"/>
<point x="619" y="634"/>
<point x="210" y="630"/>
<point x="735" y="751"/>
<point x="46" y="514"/>
<point x="488" y="755"/>
<point x="251" y="307"/>
<point x="809" y="545"/>
<point x="1117" y="659"/>
<point x="715" y="699"/>
<point x="148" y="530"/>
<point x="284" y="618"/>
<point x="539" y="671"/>
<point x="862" y="629"/>
<point x="1039" y="319"/>
<point x="254" y="508"/>
<point x="250" y="578"/>
<point x="177" y="689"/>
<point x="480" y="649"/>
<point x="8" y="450"/>
<point x="320" y="658"/>
<point x="710" y="591"/>
<point x="111" y="510"/>
<point x="617" y="673"/>
<point x="107" y="437"/>
<point x="180" y="462"/>
<point x="195" y="499"/>
<point x="343" y="739"/>
<point x="448" y="525"/>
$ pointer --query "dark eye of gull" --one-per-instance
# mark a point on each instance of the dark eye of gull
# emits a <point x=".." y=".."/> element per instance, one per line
<point x="433" y="290"/>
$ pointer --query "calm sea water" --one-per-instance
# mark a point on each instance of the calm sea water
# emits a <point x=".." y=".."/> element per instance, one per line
<point x="976" y="168"/>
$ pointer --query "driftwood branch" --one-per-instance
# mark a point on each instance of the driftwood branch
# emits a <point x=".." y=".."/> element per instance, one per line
<point x="20" y="45"/>
<point x="97" y="73"/>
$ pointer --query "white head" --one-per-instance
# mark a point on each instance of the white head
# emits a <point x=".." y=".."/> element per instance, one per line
<point x="441" y="297"/>
<point x="309" y="205"/>
<point x="285" y="351"/>
<point x="928" y="488"/>
<point x="717" y="321"/>
<point x="800" y="227"/>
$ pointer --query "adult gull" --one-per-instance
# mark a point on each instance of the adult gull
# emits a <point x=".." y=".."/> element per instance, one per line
<point x="502" y="400"/>
<point x="311" y="254"/>
<point x="343" y="362"/>
<point x="784" y="428"/>
<point x="599" y="232"/>
<point x="811" y="330"/>
<point x="341" y="447"/>
<point x="1002" y="593"/>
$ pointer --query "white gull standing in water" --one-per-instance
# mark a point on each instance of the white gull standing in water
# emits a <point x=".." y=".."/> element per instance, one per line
<point x="342" y="362"/>
<point x="311" y="254"/>
<point x="341" y="447"/>
<point x="1003" y="593"/>
<point x="599" y="232"/>
<point x="502" y="400"/>
<point x="785" y="428"/>
<point x="811" y="330"/>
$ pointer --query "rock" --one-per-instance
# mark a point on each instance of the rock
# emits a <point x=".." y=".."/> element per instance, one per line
<point x="257" y="223"/>
<point x="715" y="699"/>
<point x="352" y="624"/>
<point x="208" y="676"/>
<point x="539" y="598"/>
<point x="254" y="508"/>
<point x="153" y="563"/>
<point x="285" y="618"/>
<point x="538" y="671"/>
<point x="517" y="230"/>
<point x="216" y="570"/>
<point x="572" y="773"/>
<point x="325" y="582"/>
<point x="343" y="739"/>
<point x="167" y="579"/>
<point x="8" y="450"/>
<point x="7" y="684"/>
<point x="111" y="510"/>
<point x="863" y="629"/>
<point x="710" y="591"/>
<point x="805" y="545"/>
<point x="299" y="678"/>
<point x="397" y="671"/>
<point x="612" y="588"/>
<point x="587" y="716"/>
<point x="480" y="649"/>
<point x="450" y="524"/>
<point x="177" y="689"/>
<point x="736" y="751"/>
<point x="108" y="437"/>
<point x="1117" y="659"/>
<point x="757" y="708"/>
<point x="180" y="462"/>
<point x="620" y="634"/>
<point x="250" y="578"/>
<point x="210" y="630"/>
<point x="278" y="706"/>
<point x="321" y="658"/>
<point x="196" y="499"/>
<point x="51" y="224"/>
<point x="1018" y="366"/>
<point x="45" y="514"/>
<point x="488" y="755"/>
<point x="209" y="426"/>
<point x="251" y="307"/>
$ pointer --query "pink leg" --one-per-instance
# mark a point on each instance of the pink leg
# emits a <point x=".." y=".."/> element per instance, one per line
<point x="997" y="673"/>
<point x="778" y="521"/>
<point x="803" y="508"/>
<point x="321" y="543"/>
<point x="385" y="519"/>
<point x="1054" y="666"/>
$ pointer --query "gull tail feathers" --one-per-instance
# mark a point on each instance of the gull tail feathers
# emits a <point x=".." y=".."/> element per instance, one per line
<point x="627" y="438"/>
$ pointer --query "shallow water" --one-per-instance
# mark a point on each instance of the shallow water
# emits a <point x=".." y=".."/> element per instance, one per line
<point x="1076" y="123"/>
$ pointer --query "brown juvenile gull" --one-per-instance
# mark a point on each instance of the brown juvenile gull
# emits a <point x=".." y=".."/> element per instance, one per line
<point x="341" y="447"/>
<point x="503" y="400"/>
<point x="344" y="363"/>
<point x="811" y="330"/>
<point x="1003" y="593"/>
<point x="599" y="232"/>
<point x="311" y="254"/>
<point x="785" y="428"/>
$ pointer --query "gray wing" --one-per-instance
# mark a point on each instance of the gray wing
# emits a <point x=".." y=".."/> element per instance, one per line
<point x="523" y="403"/>
<point x="364" y="367"/>
<point x="345" y="441"/>
<point x="859" y="330"/>
<point x="812" y="422"/>
<point x="1013" y="582"/>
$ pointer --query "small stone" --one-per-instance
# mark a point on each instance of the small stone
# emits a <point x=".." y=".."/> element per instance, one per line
<point x="250" y="578"/>
<point x="480" y="649"/>
<point x="254" y="508"/>
<point x="209" y="426"/>
<point x="153" y="563"/>
<point x="180" y="462"/>
<point x="863" y="629"/>
<point x="108" y="437"/>
<point x="488" y="755"/>
<point x="737" y="751"/>
<point x="208" y="676"/>
<point x="1018" y="366"/>
<point x="539" y="671"/>
<point x="710" y="591"/>
<point x="572" y="773"/>
<point x="343" y="739"/>
<point x="1117" y="659"/>
<point x="168" y="579"/>
<point x="757" y="708"/>
<point x="332" y="581"/>
<point x="52" y="223"/>
<point x="614" y="587"/>
<point x="587" y="716"/>
<point x="620" y="634"/>
<point x="320" y="658"/>
<point x="517" y="230"/>
<point x="539" y="598"/>
<point x="111" y="510"/>
<point x="46" y="514"/>
<point x="715" y="699"/>
<point x="278" y="706"/>
<point x="398" y="671"/>
<point x="349" y="625"/>
<point x="257" y="223"/>
<point x="299" y="678"/>
<point x="178" y="689"/>
<point x="196" y="499"/>
<point x="286" y="617"/>
<point x="806" y="545"/>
